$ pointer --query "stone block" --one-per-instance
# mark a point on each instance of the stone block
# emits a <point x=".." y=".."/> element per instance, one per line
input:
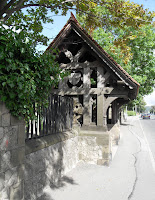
<point x="29" y="169"/>
<point x="1" y="135"/>
<point x="103" y="140"/>
<point x="103" y="162"/>
<point x="6" y="119"/>
<point x="5" y="161"/>
<point x="2" y="182"/>
<point x="17" y="191"/>
<point x="30" y="190"/>
<point x="40" y="182"/>
<point x="0" y="118"/>
<point x="3" y="108"/>
<point x="9" y="141"/>
<point x="20" y="172"/>
<point x="12" y="158"/>
<point x="21" y="135"/>
<point x="16" y="121"/>
<point x="11" y="177"/>
<point x="17" y="156"/>
<point x="39" y="162"/>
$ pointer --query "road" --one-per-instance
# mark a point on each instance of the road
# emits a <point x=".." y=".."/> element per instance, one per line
<point x="130" y="176"/>
<point x="148" y="127"/>
<point x="144" y="131"/>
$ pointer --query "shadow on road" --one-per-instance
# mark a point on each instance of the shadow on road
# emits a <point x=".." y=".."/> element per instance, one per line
<point x="62" y="182"/>
<point x="47" y="194"/>
<point x="123" y="124"/>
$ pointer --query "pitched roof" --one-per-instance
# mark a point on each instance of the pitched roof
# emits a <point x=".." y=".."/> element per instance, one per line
<point x="73" y="22"/>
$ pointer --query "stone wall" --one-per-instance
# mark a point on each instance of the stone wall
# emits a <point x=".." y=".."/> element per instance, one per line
<point x="94" y="147"/>
<point x="45" y="167"/>
<point x="28" y="168"/>
<point x="12" y="156"/>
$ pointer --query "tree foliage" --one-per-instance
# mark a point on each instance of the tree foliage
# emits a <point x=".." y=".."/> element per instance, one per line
<point x="25" y="76"/>
<point x="117" y="17"/>
<point x="143" y="60"/>
<point x="127" y="33"/>
<point x="32" y="14"/>
<point x="152" y="109"/>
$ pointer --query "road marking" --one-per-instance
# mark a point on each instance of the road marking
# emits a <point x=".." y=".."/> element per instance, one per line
<point x="148" y="147"/>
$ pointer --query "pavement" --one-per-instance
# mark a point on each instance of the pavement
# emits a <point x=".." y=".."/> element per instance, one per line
<point x="120" y="181"/>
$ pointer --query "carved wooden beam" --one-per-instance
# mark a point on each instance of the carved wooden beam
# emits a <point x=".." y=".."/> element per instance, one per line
<point x="106" y="76"/>
<point x="79" y="53"/>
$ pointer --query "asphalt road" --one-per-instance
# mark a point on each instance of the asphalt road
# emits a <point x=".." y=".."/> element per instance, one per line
<point x="144" y="131"/>
<point x="148" y="127"/>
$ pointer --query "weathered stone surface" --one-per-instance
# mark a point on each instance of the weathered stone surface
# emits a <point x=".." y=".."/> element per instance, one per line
<point x="3" y="108"/>
<point x="6" y="119"/>
<point x="21" y="135"/>
<point x="30" y="191"/>
<point x="89" y="150"/>
<point x="11" y="177"/>
<point x="15" y="121"/>
<point x="17" y="191"/>
<point x="1" y="134"/>
<point x="17" y="156"/>
<point x="103" y="162"/>
<point x="5" y="160"/>
<point x="47" y="166"/>
<point x="0" y="118"/>
<point x="103" y="140"/>
<point x="20" y="172"/>
<point x="9" y="140"/>
<point x="2" y="182"/>
<point x="115" y="134"/>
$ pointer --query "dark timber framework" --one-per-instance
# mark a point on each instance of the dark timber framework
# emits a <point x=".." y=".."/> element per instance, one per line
<point x="97" y="83"/>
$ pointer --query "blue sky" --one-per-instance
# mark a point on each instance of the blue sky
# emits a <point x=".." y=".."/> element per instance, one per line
<point x="51" y="30"/>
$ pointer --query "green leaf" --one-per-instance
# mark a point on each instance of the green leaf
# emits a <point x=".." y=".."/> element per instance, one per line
<point x="3" y="84"/>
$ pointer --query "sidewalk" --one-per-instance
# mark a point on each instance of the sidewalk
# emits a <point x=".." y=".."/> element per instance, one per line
<point x="92" y="182"/>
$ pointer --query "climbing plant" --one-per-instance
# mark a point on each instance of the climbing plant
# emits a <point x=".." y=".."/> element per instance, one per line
<point x="25" y="75"/>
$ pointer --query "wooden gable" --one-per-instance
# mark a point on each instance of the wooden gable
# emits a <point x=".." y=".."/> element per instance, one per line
<point x="78" y="51"/>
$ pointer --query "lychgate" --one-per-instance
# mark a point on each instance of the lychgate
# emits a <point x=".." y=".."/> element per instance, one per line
<point x="98" y="85"/>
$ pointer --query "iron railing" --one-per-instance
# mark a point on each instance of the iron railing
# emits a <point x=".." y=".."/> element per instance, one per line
<point x="56" y="118"/>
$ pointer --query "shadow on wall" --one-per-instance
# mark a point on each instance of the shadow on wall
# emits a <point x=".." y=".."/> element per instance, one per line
<point x="45" y="169"/>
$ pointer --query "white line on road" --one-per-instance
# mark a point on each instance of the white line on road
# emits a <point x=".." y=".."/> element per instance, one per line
<point x="148" y="147"/>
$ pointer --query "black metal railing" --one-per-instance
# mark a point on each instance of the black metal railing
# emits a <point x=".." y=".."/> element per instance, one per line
<point x="56" y="118"/>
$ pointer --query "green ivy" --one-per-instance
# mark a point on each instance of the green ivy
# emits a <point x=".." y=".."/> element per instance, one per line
<point x="25" y="75"/>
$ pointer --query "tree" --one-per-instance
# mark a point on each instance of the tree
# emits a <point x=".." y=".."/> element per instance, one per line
<point x="114" y="16"/>
<point x="152" y="109"/>
<point x="26" y="77"/>
<point x="143" y="60"/>
<point x="30" y="15"/>
<point x="139" y="102"/>
<point x="130" y="45"/>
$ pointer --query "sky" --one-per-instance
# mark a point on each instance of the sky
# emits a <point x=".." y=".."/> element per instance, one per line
<point x="51" y="30"/>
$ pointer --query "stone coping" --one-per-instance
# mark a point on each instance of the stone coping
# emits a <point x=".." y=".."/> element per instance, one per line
<point x="36" y="144"/>
<point x="93" y="133"/>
